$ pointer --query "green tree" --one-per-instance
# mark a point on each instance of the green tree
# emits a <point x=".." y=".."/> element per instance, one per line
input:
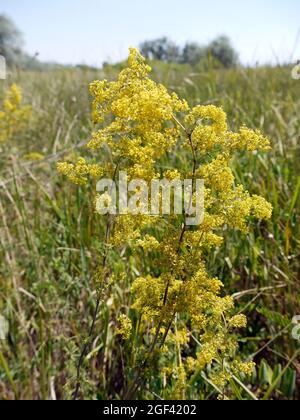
<point x="222" y="50"/>
<point x="161" y="49"/>
<point x="11" y="41"/>
<point x="193" y="53"/>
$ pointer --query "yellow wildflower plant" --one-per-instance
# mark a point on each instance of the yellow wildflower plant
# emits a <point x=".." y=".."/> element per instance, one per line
<point x="139" y="124"/>
<point x="78" y="172"/>
<point x="125" y="327"/>
<point x="13" y="115"/>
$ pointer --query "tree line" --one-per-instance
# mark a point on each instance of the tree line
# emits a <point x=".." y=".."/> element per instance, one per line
<point x="163" y="49"/>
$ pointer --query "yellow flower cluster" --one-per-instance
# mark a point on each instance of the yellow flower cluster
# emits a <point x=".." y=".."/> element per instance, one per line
<point x="245" y="368"/>
<point x="136" y="116"/>
<point x="249" y="139"/>
<point x="231" y="202"/>
<point x="148" y="243"/>
<point x="125" y="327"/>
<point x="78" y="172"/>
<point x="208" y="125"/>
<point x="13" y="115"/>
<point x="140" y="124"/>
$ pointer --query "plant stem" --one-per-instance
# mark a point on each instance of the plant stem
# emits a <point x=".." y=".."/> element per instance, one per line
<point x="136" y="384"/>
<point x="100" y="296"/>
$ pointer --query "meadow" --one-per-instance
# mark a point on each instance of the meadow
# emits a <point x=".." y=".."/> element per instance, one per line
<point x="51" y="242"/>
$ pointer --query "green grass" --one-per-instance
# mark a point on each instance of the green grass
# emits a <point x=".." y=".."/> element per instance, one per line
<point x="51" y="240"/>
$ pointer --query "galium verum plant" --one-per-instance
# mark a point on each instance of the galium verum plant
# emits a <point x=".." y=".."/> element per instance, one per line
<point x="139" y="124"/>
<point x="13" y="115"/>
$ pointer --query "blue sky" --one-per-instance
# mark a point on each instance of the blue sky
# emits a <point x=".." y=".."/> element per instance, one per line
<point x="93" y="31"/>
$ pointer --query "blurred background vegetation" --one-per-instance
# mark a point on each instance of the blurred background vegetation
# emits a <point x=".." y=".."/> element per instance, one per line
<point x="51" y="239"/>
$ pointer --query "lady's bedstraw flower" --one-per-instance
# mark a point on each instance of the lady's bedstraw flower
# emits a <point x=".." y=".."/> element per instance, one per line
<point x="78" y="173"/>
<point x="125" y="327"/>
<point x="139" y="125"/>
<point x="14" y="116"/>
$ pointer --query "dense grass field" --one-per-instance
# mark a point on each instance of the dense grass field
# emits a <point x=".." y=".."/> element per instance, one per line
<point x="51" y="240"/>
